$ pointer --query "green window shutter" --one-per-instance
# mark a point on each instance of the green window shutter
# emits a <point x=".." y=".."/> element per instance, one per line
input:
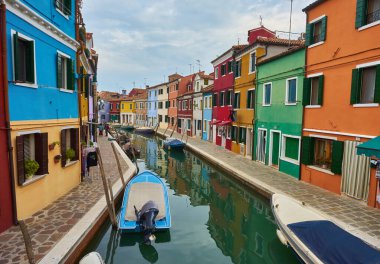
<point x="320" y="90"/>
<point x="59" y="71"/>
<point x="72" y="75"/>
<point x="291" y="148"/>
<point x="355" y="86"/>
<point x="309" y="34"/>
<point x="20" y="159"/>
<point x="16" y="55"/>
<point x="306" y="91"/>
<point x="30" y="62"/>
<point x="248" y="99"/>
<point x="324" y="28"/>
<point x="307" y="154"/>
<point x="377" y="85"/>
<point x="69" y="74"/>
<point x="337" y="157"/>
<point x="361" y="10"/>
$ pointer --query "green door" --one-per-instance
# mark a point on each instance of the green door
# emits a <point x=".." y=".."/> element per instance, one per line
<point x="275" y="148"/>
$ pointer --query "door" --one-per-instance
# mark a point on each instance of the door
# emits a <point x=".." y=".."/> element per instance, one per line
<point x="214" y="133"/>
<point x="223" y="134"/>
<point x="248" y="150"/>
<point x="275" y="148"/>
<point x="261" y="145"/>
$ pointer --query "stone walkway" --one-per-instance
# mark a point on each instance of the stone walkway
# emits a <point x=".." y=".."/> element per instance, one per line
<point x="355" y="216"/>
<point x="49" y="225"/>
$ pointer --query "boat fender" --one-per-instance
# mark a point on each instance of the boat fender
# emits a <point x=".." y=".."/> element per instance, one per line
<point x="92" y="258"/>
<point x="281" y="237"/>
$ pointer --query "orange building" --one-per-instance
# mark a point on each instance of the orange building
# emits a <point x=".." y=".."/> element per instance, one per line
<point x="341" y="96"/>
<point x="173" y="85"/>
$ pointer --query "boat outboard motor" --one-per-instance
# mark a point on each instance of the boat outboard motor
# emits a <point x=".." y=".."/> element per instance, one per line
<point x="146" y="219"/>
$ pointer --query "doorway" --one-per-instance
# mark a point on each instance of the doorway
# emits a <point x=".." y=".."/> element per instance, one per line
<point x="274" y="155"/>
<point x="261" y="144"/>
<point x="248" y="149"/>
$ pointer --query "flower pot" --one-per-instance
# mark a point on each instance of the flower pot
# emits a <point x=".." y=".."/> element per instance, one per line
<point x="57" y="158"/>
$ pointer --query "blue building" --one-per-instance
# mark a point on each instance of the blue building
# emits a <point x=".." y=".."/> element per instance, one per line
<point x="43" y="100"/>
<point x="104" y="112"/>
<point x="207" y="113"/>
<point x="152" y="103"/>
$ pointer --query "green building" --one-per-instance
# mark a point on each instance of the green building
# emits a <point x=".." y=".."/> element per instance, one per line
<point x="278" y="115"/>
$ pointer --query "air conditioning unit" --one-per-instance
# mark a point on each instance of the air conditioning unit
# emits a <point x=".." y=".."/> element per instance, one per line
<point x="242" y="148"/>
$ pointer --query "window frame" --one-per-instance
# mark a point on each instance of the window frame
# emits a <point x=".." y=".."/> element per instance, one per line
<point x="360" y="67"/>
<point x="237" y="106"/>
<point x="62" y="12"/>
<point x="287" y="91"/>
<point x="216" y="70"/>
<point x="251" y="90"/>
<point x="250" y="62"/>
<point x="222" y="99"/>
<point x="238" y="66"/>
<point x="264" y="94"/>
<point x="311" y="24"/>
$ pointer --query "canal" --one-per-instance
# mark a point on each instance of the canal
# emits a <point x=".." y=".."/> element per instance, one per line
<point x="214" y="218"/>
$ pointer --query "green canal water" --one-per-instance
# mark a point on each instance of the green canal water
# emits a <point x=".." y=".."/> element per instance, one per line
<point x="214" y="218"/>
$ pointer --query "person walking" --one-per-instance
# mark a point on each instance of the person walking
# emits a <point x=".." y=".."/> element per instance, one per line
<point x="101" y="128"/>
<point x="107" y="128"/>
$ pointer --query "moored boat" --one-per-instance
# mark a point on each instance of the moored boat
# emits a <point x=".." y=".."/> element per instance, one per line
<point x="316" y="239"/>
<point x="92" y="258"/>
<point x="174" y="144"/>
<point x="145" y="206"/>
<point x="128" y="127"/>
<point x="144" y="130"/>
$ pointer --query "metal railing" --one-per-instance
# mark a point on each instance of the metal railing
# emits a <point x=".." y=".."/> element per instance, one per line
<point x="60" y="5"/>
<point x="374" y="16"/>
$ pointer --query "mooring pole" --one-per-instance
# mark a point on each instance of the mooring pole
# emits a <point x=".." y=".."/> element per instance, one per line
<point x="118" y="164"/>
<point x="106" y="191"/>
<point x="28" y="242"/>
<point x="112" y="199"/>
<point x="175" y="125"/>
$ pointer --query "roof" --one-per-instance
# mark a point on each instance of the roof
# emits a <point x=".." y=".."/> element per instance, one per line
<point x="206" y="76"/>
<point x="107" y="96"/>
<point x="208" y="88"/>
<point x="312" y="5"/>
<point x="282" y="54"/>
<point x="233" y="48"/>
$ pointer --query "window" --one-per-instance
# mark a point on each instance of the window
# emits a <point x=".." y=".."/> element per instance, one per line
<point x="242" y="135"/>
<point x="221" y="99"/>
<point x="313" y="91"/>
<point x="159" y="118"/>
<point x="290" y="148"/>
<point x="199" y="127"/>
<point x="291" y="91"/>
<point x="252" y="62"/>
<point x="267" y="95"/>
<point x="237" y="100"/>
<point x="214" y="98"/>
<point x="167" y="104"/>
<point x="63" y="6"/>
<point x="176" y="86"/>
<point x="204" y="125"/>
<point x="233" y="133"/>
<point x="155" y="92"/>
<point x="69" y="145"/>
<point x="197" y="86"/>
<point x="188" y="124"/>
<point x="31" y="148"/>
<point x="316" y="31"/>
<point x="238" y="69"/>
<point x="166" y="119"/>
<point x="65" y="74"/>
<point x="229" y="97"/>
<point x="205" y="81"/>
<point x="323" y="153"/>
<point x="229" y="66"/>
<point x="188" y="87"/>
<point x="190" y="103"/>
<point x="160" y="105"/>
<point x="161" y="91"/>
<point x="365" y="87"/>
<point x="367" y="12"/>
<point x="111" y="106"/>
<point x="220" y="130"/>
<point x="228" y="131"/>
<point x="216" y="73"/>
<point x="130" y="106"/>
<point x="251" y="99"/>
<point x="117" y="106"/>
<point x="223" y="70"/>
<point x="24" y="59"/>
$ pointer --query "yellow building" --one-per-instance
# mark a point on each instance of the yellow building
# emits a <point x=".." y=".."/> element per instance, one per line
<point x="127" y="111"/>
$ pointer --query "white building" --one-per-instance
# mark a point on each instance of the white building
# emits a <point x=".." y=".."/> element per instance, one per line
<point x="163" y="104"/>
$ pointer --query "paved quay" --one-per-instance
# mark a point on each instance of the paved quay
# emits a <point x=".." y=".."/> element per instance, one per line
<point x="354" y="216"/>
<point x="50" y="225"/>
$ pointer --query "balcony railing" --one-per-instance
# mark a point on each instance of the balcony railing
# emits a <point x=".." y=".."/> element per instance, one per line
<point x="60" y="5"/>
<point x="374" y="16"/>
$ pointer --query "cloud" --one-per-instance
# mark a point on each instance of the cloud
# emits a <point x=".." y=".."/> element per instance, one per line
<point x="145" y="41"/>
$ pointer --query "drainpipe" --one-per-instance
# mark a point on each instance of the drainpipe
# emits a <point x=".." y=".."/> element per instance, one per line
<point x="6" y="106"/>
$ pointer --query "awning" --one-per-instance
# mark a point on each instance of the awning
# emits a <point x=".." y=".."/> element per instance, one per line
<point x="214" y="122"/>
<point x="371" y="148"/>
<point x="226" y="122"/>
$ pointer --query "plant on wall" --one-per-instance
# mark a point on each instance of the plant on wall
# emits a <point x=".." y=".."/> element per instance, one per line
<point x="31" y="167"/>
<point x="52" y="145"/>
<point x="70" y="154"/>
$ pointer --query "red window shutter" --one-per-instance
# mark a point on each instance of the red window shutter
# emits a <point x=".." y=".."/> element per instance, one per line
<point x="74" y="136"/>
<point x="20" y="159"/>
<point x="42" y="153"/>
<point x="63" y="148"/>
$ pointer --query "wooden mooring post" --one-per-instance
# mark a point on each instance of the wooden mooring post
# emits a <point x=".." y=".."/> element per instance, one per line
<point x="28" y="242"/>
<point x="111" y="212"/>
<point x="118" y="164"/>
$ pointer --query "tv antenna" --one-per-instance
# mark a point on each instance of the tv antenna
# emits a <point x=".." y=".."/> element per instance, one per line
<point x="261" y="21"/>
<point x="199" y="65"/>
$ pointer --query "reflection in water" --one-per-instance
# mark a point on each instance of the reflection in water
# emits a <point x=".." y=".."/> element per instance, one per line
<point x="215" y="219"/>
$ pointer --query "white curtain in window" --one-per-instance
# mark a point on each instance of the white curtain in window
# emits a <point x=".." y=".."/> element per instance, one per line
<point x="355" y="173"/>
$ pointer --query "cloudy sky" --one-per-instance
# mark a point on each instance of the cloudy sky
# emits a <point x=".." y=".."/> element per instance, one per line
<point x="143" y="41"/>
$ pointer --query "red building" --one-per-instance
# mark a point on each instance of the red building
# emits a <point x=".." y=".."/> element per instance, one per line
<point x="115" y="110"/>
<point x="222" y="111"/>
<point x="185" y="105"/>
<point x="6" y="205"/>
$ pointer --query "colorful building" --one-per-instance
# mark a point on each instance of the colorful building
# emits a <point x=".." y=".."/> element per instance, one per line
<point x="163" y="105"/>
<point x="173" y="84"/>
<point x="185" y="105"/>
<point x="115" y="110"/>
<point x="207" y="112"/>
<point x="7" y="210"/>
<point x="104" y="111"/>
<point x="278" y="112"/>
<point x="127" y="110"/>
<point x="201" y="80"/>
<point x="152" y="105"/>
<point x="141" y="109"/>
<point x="222" y="112"/>
<point x="41" y="69"/>
<point x="341" y="96"/>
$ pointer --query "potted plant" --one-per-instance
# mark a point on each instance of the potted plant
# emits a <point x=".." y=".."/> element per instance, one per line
<point x="57" y="158"/>
<point x="70" y="154"/>
<point x="31" y="167"/>
<point x="52" y="145"/>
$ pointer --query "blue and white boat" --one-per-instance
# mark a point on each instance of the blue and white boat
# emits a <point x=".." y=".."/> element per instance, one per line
<point x="316" y="239"/>
<point x="174" y="144"/>
<point x="145" y="205"/>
